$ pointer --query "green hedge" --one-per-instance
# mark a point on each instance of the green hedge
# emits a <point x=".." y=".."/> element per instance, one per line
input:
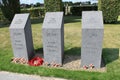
<point x="35" y="12"/>
<point x="110" y="9"/>
<point x="77" y="11"/>
<point x="53" y="5"/>
<point x="64" y="10"/>
<point x="1" y="16"/>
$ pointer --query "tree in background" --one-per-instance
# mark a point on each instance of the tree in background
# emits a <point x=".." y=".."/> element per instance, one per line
<point x="38" y="4"/>
<point x="69" y="3"/>
<point x="110" y="9"/>
<point x="53" y="5"/>
<point x="10" y="8"/>
<point x="77" y="3"/>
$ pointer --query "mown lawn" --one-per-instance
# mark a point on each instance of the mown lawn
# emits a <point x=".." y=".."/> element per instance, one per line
<point x="111" y="48"/>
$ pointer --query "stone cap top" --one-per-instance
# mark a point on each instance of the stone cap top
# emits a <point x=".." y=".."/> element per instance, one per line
<point x="53" y="20"/>
<point x="92" y="20"/>
<point x="19" y="21"/>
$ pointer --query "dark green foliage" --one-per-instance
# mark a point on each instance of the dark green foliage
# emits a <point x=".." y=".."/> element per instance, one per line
<point x="35" y="12"/>
<point x="37" y="4"/>
<point x="10" y="8"/>
<point x="110" y="9"/>
<point x="64" y="10"/>
<point x="53" y="5"/>
<point x="0" y="14"/>
<point x="77" y="11"/>
<point x="70" y="3"/>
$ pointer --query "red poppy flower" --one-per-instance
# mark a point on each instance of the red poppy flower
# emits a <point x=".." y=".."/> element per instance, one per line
<point x="36" y="61"/>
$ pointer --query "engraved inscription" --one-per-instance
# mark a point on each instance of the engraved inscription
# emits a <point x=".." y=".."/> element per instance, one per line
<point x="17" y="34"/>
<point x="93" y="35"/>
<point x="51" y="21"/>
<point x="92" y="20"/>
<point x="49" y="34"/>
<point x="91" y="45"/>
<point x="19" y="21"/>
<point x="17" y="41"/>
<point x="51" y="43"/>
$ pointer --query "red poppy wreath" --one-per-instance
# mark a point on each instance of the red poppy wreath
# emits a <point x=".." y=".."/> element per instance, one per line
<point x="36" y="61"/>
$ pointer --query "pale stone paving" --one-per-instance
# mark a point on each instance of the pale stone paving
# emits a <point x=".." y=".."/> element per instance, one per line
<point x="15" y="76"/>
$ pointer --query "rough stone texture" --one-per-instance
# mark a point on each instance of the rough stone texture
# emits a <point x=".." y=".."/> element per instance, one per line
<point x="53" y="37"/>
<point x="21" y="36"/>
<point x="92" y="38"/>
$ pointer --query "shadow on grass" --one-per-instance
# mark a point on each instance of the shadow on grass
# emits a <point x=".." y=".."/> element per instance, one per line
<point x="110" y="54"/>
<point x="39" y="50"/>
<point x="72" y="19"/>
<point x="71" y="55"/>
<point x="73" y="51"/>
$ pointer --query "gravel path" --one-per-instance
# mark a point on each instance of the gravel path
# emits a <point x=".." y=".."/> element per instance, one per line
<point x="72" y="62"/>
<point x="15" y="76"/>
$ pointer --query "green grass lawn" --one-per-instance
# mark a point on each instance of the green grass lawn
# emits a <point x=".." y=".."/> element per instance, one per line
<point x="111" y="47"/>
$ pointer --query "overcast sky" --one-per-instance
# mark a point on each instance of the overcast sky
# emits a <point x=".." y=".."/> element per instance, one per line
<point x="42" y="1"/>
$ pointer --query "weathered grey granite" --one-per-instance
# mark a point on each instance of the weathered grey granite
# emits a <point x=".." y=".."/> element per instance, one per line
<point x="53" y="37"/>
<point x="21" y="36"/>
<point x="92" y="38"/>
